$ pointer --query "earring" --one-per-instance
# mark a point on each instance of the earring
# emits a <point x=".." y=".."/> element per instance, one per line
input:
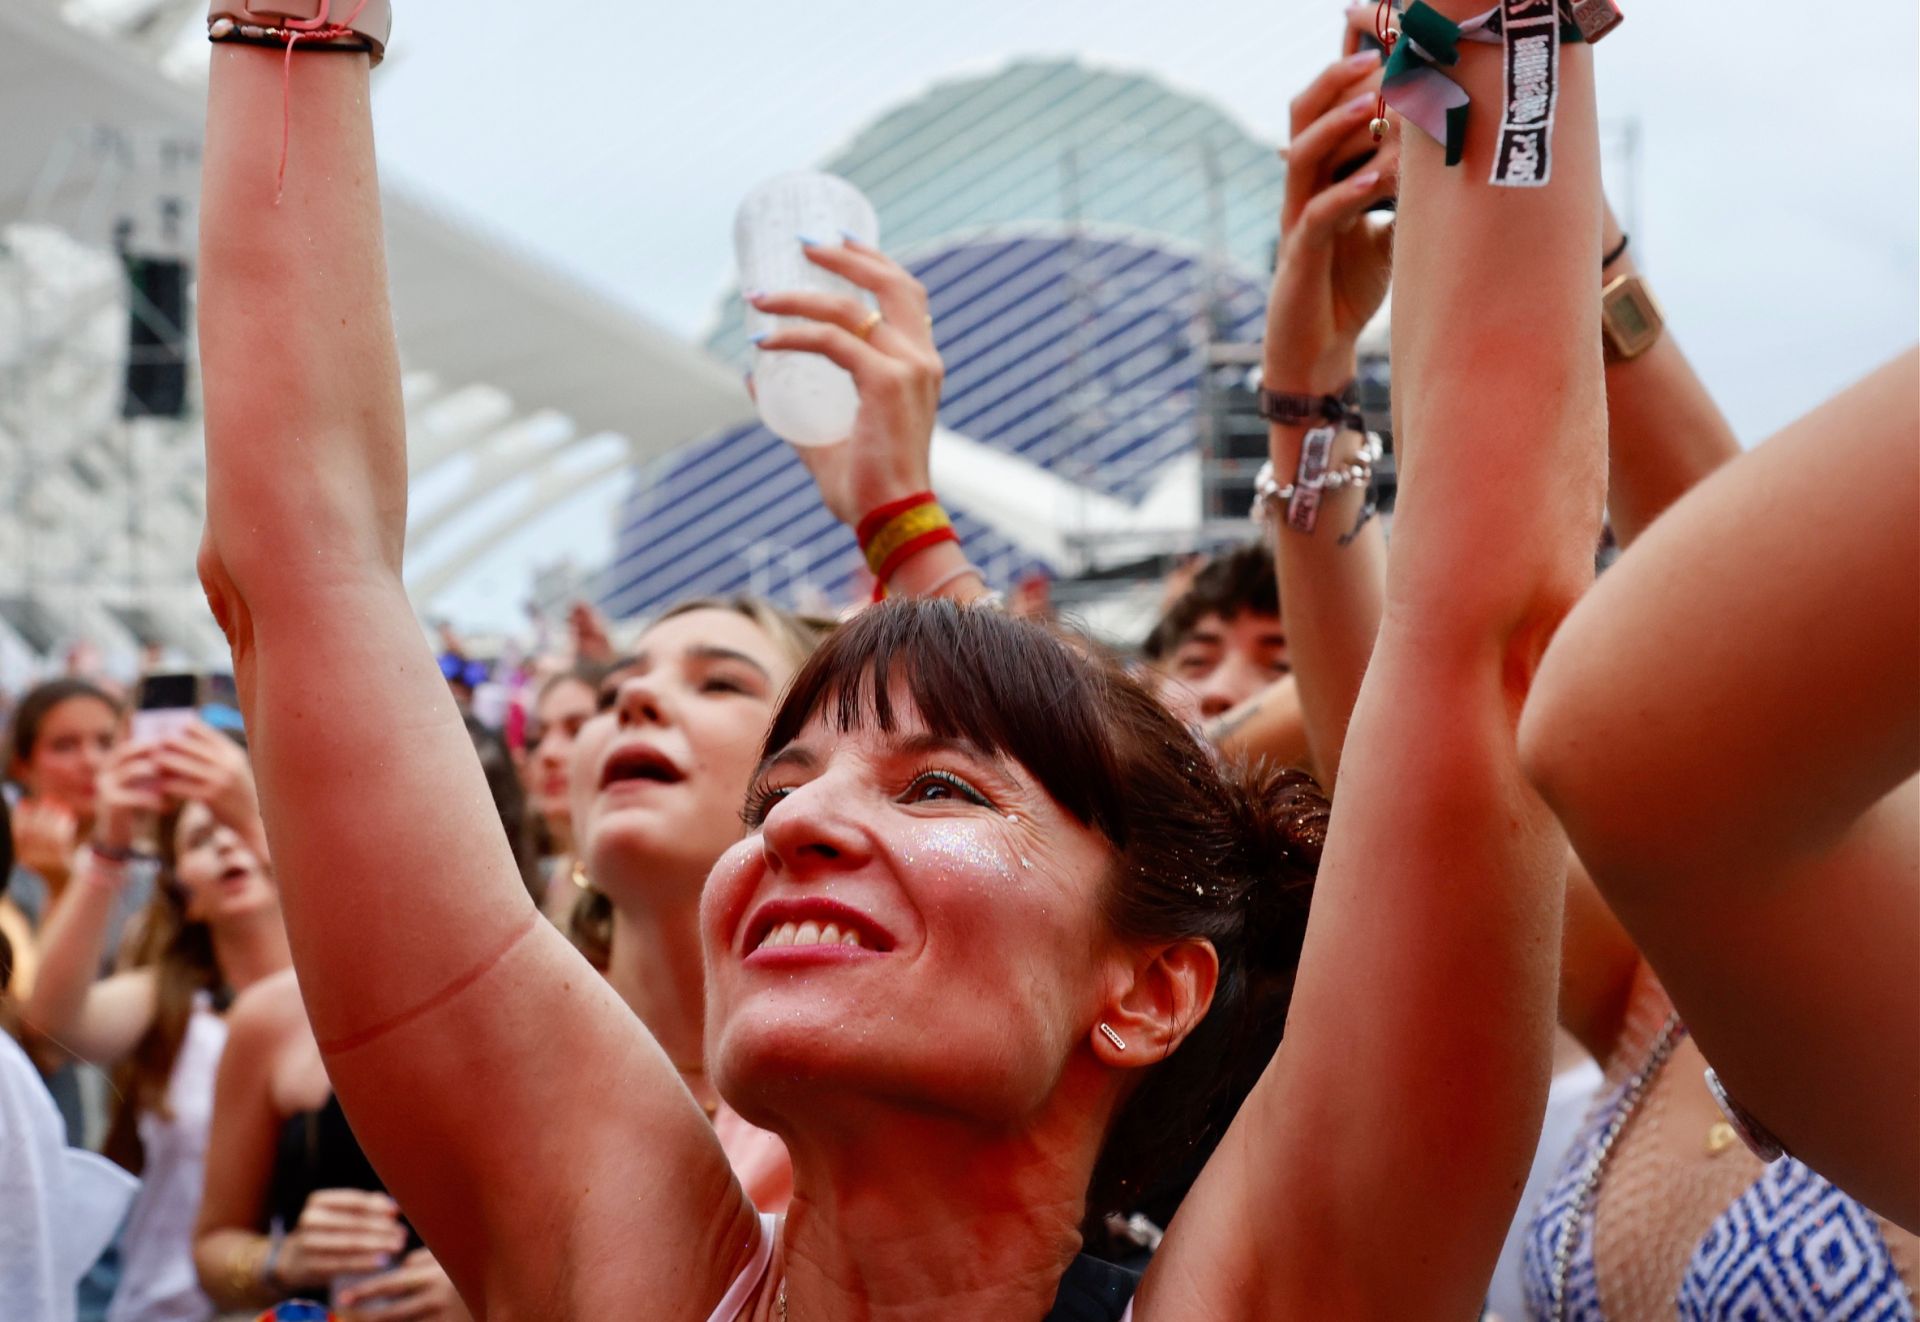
<point x="1111" y="1036"/>
<point x="579" y="876"/>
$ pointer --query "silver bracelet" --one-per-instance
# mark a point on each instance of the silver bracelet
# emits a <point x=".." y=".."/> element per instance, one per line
<point x="1269" y="497"/>
<point x="949" y="579"/>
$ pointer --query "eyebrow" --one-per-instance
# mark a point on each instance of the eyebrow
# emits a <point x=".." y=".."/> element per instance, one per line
<point x="707" y="652"/>
<point x="920" y="745"/>
<point x="913" y="745"/>
<point x="641" y="662"/>
<point x="793" y="755"/>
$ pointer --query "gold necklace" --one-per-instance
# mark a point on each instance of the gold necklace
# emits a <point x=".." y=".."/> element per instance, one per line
<point x="783" y="1300"/>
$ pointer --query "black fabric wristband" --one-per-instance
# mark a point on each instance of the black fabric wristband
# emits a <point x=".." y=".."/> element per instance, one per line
<point x="1302" y="410"/>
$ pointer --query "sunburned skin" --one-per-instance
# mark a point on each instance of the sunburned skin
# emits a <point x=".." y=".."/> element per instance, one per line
<point x="480" y="970"/>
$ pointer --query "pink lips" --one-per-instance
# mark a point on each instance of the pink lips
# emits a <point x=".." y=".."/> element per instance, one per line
<point x="638" y="763"/>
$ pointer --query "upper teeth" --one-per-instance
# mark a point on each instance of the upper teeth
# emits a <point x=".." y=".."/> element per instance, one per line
<point x="810" y="934"/>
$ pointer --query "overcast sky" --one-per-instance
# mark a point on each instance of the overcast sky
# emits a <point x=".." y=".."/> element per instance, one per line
<point x="1778" y="191"/>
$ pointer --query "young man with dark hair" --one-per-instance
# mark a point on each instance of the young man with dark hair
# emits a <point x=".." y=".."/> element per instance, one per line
<point x="1222" y="641"/>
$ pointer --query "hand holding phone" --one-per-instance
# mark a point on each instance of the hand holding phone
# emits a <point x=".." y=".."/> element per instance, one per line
<point x="166" y="704"/>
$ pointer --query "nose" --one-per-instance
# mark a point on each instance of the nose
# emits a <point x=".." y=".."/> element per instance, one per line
<point x="638" y="701"/>
<point x="93" y="757"/>
<point x="812" y="833"/>
<point x="1232" y="682"/>
<point x="228" y="844"/>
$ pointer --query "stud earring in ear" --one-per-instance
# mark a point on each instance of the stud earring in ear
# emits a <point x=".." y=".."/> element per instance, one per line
<point x="1112" y="1036"/>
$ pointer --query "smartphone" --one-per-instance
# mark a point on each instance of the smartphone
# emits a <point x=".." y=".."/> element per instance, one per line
<point x="166" y="704"/>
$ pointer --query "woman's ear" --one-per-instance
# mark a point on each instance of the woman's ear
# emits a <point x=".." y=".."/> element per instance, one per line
<point x="1169" y="993"/>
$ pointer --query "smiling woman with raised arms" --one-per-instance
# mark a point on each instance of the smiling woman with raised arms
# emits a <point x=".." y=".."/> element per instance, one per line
<point x="1053" y="897"/>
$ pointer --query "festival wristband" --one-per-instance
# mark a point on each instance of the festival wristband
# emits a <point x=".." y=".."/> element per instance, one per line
<point x="1303" y="509"/>
<point x="1290" y="410"/>
<point x="1532" y="32"/>
<point x="350" y="25"/>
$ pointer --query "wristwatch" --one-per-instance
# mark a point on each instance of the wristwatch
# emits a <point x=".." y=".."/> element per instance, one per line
<point x="1630" y="320"/>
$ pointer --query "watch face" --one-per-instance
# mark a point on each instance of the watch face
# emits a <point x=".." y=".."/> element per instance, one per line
<point x="1631" y="318"/>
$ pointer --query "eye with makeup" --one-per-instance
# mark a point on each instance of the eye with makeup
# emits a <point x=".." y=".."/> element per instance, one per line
<point x="936" y="786"/>
<point x="928" y="785"/>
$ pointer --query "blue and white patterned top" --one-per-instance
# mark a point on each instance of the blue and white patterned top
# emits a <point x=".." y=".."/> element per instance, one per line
<point x="1792" y="1248"/>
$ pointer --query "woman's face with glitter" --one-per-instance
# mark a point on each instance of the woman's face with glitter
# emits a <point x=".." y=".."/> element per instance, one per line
<point x="911" y="920"/>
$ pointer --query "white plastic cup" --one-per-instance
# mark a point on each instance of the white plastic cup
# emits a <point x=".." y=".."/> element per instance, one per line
<point x="803" y="398"/>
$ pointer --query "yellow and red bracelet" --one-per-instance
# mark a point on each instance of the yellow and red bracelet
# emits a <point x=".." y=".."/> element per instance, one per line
<point x="897" y="531"/>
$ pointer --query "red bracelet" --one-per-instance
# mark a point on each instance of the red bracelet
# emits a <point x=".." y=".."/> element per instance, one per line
<point x="905" y="552"/>
<point x="885" y="514"/>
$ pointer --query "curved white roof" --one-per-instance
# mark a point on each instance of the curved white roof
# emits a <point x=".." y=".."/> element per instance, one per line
<point x="519" y="380"/>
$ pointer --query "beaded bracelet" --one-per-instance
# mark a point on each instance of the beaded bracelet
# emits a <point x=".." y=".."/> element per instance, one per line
<point x="1269" y="497"/>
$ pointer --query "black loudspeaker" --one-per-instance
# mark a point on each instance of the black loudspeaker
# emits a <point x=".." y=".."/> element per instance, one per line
<point x="156" y="385"/>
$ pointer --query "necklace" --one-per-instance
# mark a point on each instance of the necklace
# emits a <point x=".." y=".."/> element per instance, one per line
<point x="783" y="1301"/>
<point x="1589" y="1185"/>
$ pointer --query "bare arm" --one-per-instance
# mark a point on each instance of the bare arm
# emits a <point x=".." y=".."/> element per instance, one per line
<point x="73" y="1010"/>
<point x="228" y="1249"/>
<point x="1331" y="278"/>
<point x="1400" y="1127"/>
<point x="454" y="1023"/>
<point x="1664" y="432"/>
<point x="1268" y="725"/>
<point x="340" y="1231"/>
<point x="1728" y="727"/>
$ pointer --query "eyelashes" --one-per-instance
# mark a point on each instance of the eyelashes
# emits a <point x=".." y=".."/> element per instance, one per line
<point x="762" y="797"/>
<point x="760" y="801"/>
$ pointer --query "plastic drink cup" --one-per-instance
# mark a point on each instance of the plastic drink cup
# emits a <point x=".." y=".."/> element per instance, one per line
<point x="803" y="398"/>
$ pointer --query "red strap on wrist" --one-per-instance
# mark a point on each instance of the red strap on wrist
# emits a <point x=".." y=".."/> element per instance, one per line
<point x="906" y="552"/>
<point x="887" y="513"/>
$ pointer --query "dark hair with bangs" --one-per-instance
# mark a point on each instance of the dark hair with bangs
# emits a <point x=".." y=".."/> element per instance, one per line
<point x="1223" y="854"/>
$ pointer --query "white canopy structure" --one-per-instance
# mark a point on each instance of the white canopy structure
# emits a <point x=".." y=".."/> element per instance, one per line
<point x="512" y="371"/>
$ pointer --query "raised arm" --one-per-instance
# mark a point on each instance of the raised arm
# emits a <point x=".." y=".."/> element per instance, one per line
<point x="1728" y="727"/>
<point x="1400" y="1124"/>
<point x="889" y="351"/>
<point x="73" y="1011"/>
<point x="453" y="1022"/>
<point x="1330" y="279"/>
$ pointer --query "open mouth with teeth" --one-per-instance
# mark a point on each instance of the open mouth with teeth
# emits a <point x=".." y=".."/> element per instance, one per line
<point x="811" y="934"/>
<point x="815" y="929"/>
<point x="639" y="763"/>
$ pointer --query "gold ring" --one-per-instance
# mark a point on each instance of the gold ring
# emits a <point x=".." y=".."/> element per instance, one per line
<point x="867" y="327"/>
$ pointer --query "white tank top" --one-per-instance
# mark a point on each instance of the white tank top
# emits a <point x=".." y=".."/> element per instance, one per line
<point x="157" y="1280"/>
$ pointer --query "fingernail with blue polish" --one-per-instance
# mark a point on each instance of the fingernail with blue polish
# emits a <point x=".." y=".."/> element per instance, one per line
<point x="851" y="237"/>
<point x="808" y="241"/>
<point x="753" y="295"/>
<point x="758" y="336"/>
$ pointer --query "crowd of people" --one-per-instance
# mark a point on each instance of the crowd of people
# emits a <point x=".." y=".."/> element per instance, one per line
<point x="939" y="961"/>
